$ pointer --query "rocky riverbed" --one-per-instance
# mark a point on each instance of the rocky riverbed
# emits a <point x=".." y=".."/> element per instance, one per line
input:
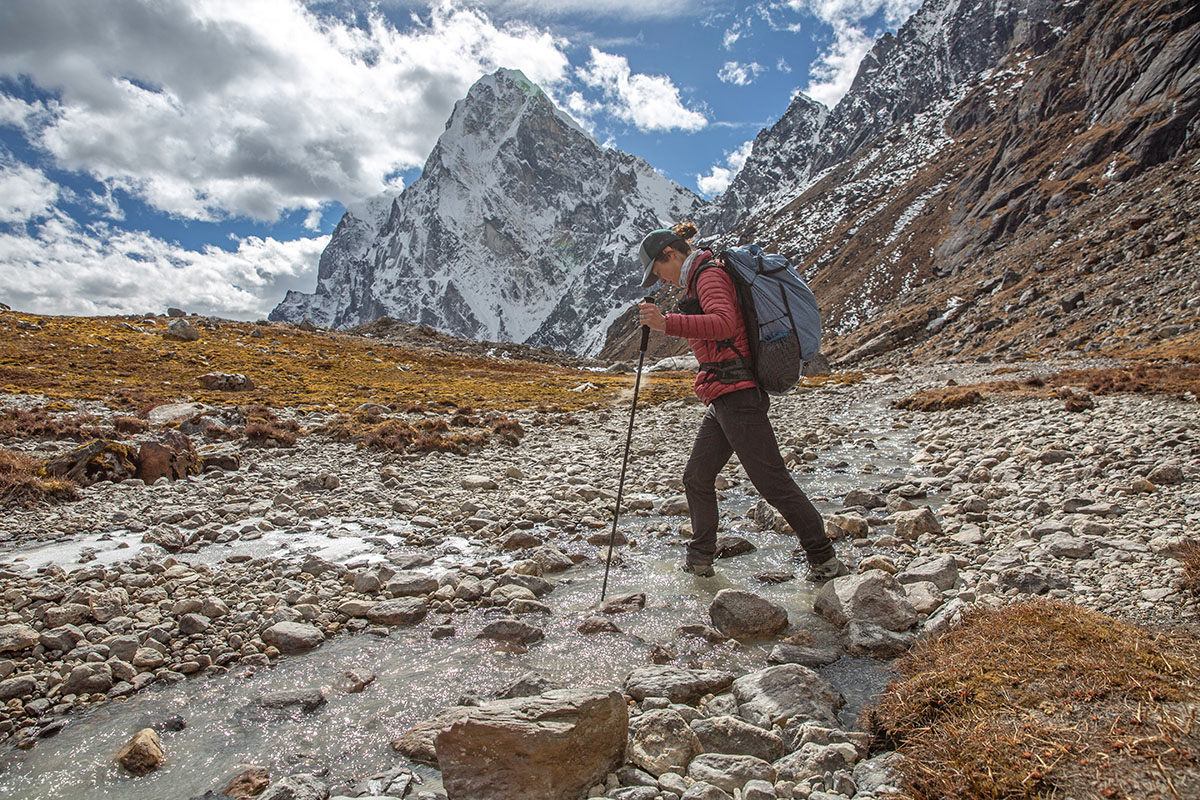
<point x="137" y="588"/>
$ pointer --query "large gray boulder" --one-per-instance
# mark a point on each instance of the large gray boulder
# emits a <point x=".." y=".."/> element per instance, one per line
<point x="775" y="695"/>
<point x="744" y="615"/>
<point x="940" y="570"/>
<point x="730" y="773"/>
<point x="873" y="596"/>
<point x="815" y="759"/>
<point x="675" y="683"/>
<point x="555" y="746"/>
<point x="734" y="736"/>
<point x="89" y="678"/>
<point x="661" y="741"/>
<point x="512" y="631"/>
<point x="411" y="584"/>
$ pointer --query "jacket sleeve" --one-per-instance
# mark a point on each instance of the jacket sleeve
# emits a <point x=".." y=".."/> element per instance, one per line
<point x="722" y="315"/>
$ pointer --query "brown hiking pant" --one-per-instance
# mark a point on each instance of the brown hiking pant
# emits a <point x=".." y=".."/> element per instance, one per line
<point x="737" y="423"/>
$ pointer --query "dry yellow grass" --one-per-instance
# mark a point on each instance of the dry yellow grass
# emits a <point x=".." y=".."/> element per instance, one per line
<point x="23" y="484"/>
<point x="1045" y="699"/>
<point x="127" y="361"/>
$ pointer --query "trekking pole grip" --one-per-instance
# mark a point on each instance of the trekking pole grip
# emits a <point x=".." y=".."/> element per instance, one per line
<point x="646" y="328"/>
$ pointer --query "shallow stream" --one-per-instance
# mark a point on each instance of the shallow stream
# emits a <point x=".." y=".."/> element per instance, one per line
<point x="349" y="737"/>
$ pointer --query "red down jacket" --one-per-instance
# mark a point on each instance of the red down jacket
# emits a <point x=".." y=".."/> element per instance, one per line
<point x="721" y="320"/>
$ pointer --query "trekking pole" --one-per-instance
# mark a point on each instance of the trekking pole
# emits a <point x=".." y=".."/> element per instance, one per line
<point x="637" y="383"/>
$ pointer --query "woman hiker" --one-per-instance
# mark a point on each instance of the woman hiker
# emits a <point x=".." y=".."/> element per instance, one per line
<point x="736" y="420"/>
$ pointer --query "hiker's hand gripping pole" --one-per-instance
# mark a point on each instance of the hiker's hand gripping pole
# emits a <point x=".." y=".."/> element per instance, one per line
<point x="637" y="383"/>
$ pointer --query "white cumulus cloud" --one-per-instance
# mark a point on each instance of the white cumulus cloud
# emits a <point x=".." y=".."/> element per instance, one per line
<point x="720" y="176"/>
<point x="25" y="193"/>
<point x="740" y="74"/>
<point x="649" y="102"/>
<point x="622" y="9"/>
<point x="208" y="109"/>
<point x="62" y="268"/>
<point x="829" y="11"/>
<point x="832" y="73"/>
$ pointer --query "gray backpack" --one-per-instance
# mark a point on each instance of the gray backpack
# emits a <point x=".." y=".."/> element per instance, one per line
<point x="782" y="320"/>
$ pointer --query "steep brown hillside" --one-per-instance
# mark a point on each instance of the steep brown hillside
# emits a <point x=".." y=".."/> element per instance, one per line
<point x="1069" y="169"/>
<point x="1047" y="207"/>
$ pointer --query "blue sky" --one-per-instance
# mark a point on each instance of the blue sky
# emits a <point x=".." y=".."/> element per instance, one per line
<point x="199" y="153"/>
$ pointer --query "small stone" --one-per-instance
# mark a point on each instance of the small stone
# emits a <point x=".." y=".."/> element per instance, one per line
<point x="307" y="700"/>
<point x="729" y="546"/>
<point x="181" y="331"/>
<point x="142" y="754"/>
<point x="293" y="637"/>
<point x="598" y="624"/>
<point x="660" y="741"/>
<point x="911" y="524"/>
<point x="846" y="526"/>
<point x="925" y="596"/>
<point x="624" y="603"/>
<point x="941" y="570"/>
<point x="398" y="611"/>
<point x="1064" y="545"/>
<point x="1166" y="475"/>
<point x="478" y="483"/>
<point x="248" y="782"/>
<point x="16" y="638"/>
<point x="511" y="630"/>
<point x="730" y="772"/>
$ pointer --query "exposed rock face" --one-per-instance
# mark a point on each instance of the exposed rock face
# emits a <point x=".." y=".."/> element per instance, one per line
<point x="555" y="746"/>
<point x="874" y="596"/>
<point x="989" y="158"/>
<point x="521" y="228"/>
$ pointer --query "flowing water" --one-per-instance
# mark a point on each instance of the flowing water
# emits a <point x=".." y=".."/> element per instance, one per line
<point x="349" y="737"/>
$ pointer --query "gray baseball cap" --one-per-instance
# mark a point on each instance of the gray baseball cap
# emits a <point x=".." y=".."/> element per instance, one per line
<point x="651" y="247"/>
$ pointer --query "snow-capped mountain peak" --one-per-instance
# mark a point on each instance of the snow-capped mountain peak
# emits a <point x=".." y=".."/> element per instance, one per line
<point x="521" y="228"/>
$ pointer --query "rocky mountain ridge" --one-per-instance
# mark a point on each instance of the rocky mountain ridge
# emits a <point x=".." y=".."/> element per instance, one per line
<point x="519" y="229"/>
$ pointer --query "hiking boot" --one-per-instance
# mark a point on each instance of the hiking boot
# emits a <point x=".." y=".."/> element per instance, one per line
<point x="828" y="570"/>
<point x="699" y="570"/>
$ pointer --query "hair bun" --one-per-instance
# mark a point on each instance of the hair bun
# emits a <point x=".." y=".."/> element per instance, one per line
<point x="686" y="230"/>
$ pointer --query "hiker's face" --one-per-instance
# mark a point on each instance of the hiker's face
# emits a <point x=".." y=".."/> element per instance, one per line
<point x="668" y="264"/>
